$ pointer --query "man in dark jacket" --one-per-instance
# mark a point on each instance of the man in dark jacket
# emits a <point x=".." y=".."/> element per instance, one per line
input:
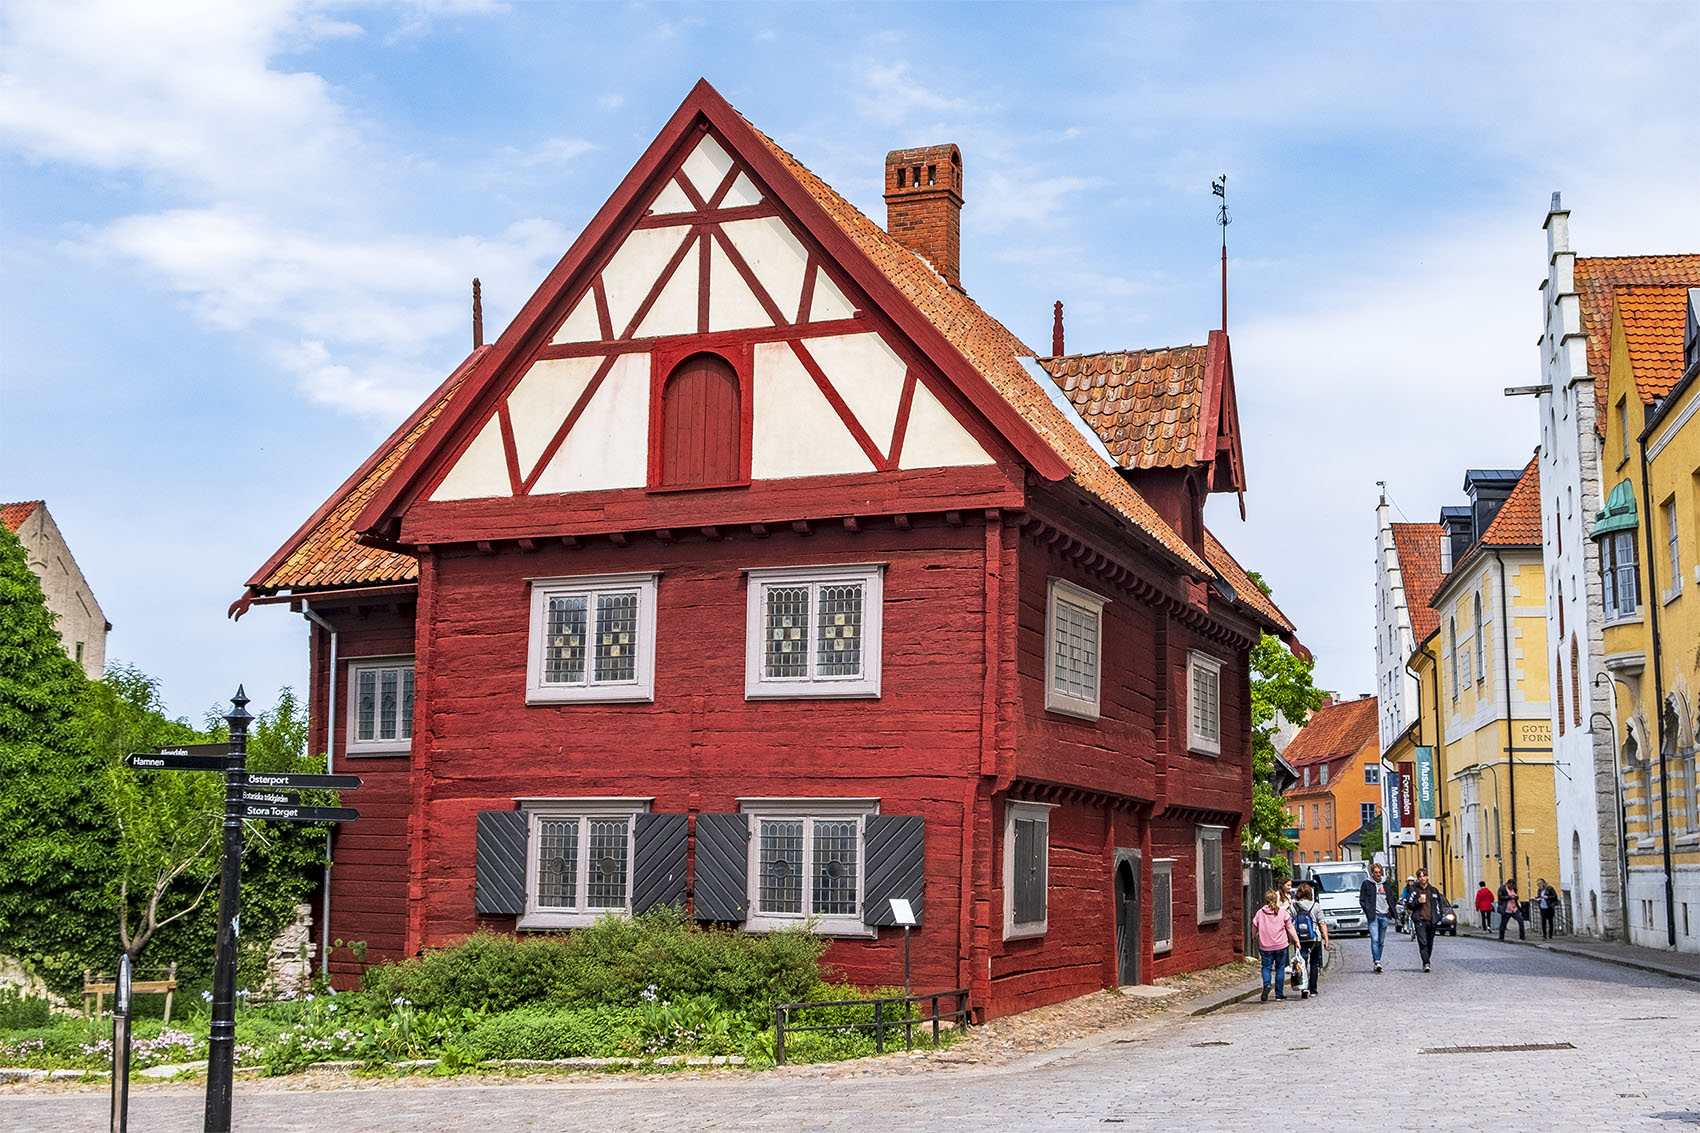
<point x="1375" y="898"/>
<point x="1428" y="909"/>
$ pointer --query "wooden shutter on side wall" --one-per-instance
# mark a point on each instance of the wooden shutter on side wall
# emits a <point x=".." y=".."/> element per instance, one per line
<point x="894" y="860"/>
<point x="659" y="848"/>
<point x="500" y="886"/>
<point x="722" y="889"/>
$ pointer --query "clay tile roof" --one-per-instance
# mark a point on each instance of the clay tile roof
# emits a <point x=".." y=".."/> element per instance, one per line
<point x="324" y="554"/>
<point x="1145" y="404"/>
<point x="1654" y="322"/>
<point x="1597" y="278"/>
<point x="1418" y="545"/>
<point x="1250" y="594"/>
<point x="1518" y="523"/>
<point x="13" y="515"/>
<point x="1336" y="732"/>
<point x="993" y="350"/>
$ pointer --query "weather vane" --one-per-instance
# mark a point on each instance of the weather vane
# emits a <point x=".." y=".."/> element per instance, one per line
<point x="1219" y="188"/>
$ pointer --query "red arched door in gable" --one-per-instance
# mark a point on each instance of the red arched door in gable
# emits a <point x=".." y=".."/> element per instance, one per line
<point x="701" y="424"/>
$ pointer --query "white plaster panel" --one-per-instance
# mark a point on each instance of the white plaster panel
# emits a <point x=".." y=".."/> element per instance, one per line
<point x="867" y="374"/>
<point x="797" y="432"/>
<point x="775" y="256"/>
<point x="743" y="192"/>
<point x="707" y="167"/>
<point x="542" y="400"/>
<point x="635" y="268"/>
<point x="675" y="309"/>
<point x="828" y="302"/>
<point x="670" y="199"/>
<point x="582" y="324"/>
<point x="935" y="439"/>
<point x="731" y="303"/>
<point x="609" y="444"/>
<point x="481" y="471"/>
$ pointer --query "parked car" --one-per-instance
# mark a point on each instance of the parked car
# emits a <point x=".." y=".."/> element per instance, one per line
<point x="1336" y="885"/>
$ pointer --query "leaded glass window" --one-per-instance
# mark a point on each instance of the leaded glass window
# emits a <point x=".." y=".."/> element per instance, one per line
<point x="814" y="635"/>
<point x="557" y="863"/>
<point x="563" y="656"/>
<point x="808" y="867"/>
<point x="616" y="635"/>
<point x="593" y="639"/>
<point x="382" y="712"/>
<point x="1075" y="651"/>
<point x="605" y="869"/>
<point x="580" y="863"/>
<point x="787" y="631"/>
<point x="782" y="866"/>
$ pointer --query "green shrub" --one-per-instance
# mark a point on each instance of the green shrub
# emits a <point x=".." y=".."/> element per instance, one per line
<point x="620" y="961"/>
<point x="584" y="1033"/>
<point x="19" y="1009"/>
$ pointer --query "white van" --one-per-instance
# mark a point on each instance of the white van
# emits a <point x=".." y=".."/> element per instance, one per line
<point x="1337" y="885"/>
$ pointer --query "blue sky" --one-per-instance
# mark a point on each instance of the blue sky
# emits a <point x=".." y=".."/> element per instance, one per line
<point x="237" y="238"/>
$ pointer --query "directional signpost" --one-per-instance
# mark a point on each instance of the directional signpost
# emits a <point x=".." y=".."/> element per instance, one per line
<point x="248" y="796"/>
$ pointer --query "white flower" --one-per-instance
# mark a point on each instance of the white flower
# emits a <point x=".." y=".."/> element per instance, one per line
<point x="207" y="995"/>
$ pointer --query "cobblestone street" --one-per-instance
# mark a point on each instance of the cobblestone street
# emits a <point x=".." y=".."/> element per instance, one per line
<point x="1342" y="1060"/>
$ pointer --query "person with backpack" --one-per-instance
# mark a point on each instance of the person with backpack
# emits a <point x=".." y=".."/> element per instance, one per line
<point x="1312" y="932"/>
<point x="1275" y="936"/>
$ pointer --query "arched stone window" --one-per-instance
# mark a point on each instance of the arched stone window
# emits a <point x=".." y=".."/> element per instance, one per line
<point x="1558" y="687"/>
<point x="1481" y="644"/>
<point x="701" y="442"/>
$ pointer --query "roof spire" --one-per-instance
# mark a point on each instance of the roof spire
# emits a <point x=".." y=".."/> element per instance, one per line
<point x="1219" y="187"/>
<point x="1057" y="332"/>
<point x="477" y="313"/>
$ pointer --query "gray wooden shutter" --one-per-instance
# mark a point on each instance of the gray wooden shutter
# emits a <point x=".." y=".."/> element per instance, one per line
<point x="500" y="887"/>
<point x="722" y="890"/>
<point x="893" y="861"/>
<point x="1029" y="897"/>
<point x="659" y="850"/>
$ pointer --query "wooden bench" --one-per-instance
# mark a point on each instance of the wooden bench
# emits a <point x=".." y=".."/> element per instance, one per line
<point x="98" y="987"/>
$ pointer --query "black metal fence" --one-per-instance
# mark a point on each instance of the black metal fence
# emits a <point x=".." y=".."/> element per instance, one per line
<point x="882" y="1020"/>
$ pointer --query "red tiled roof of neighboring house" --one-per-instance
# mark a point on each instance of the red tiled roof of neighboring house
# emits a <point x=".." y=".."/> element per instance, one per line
<point x="1518" y="523"/>
<point x="1144" y="404"/>
<point x="1597" y="278"/>
<point x="1334" y="732"/>
<point x="13" y="515"/>
<point x="1249" y="592"/>
<point x="992" y="349"/>
<point x="324" y="553"/>
<point x="1418" y="545"/>
<point x="1655" y="319"/>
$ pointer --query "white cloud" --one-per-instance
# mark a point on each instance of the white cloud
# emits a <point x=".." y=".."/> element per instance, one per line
<point x="610" y="101"/>
<point x="556" y="151"/>
<point x="891" y="94"/>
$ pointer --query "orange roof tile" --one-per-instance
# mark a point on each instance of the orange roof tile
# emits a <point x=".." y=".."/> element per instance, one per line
<point x="1249" y="592"/>
<point x="1518" y="523"/>
<point x="1597" y="277"/>
<point x="1144" y="404"/>
<point x="1335" y="732"/>
<point x="1655" y="320"/>
<point x="1418" y="545"/>
<point x="990" y="347"/>
<point x="324" y="554"/>
<point x="13" y="515"/>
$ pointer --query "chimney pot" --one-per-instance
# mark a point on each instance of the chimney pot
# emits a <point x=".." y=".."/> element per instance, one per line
<point x="923" y="206"/>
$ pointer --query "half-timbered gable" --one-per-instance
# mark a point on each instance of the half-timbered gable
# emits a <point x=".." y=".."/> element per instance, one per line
<point x="755" y="568"/>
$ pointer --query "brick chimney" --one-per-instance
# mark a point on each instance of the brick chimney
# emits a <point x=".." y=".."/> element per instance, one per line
<point x="923" y="206"/>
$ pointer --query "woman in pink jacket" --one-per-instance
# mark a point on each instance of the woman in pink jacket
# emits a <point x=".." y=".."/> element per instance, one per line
<point x="1275" y="937"/>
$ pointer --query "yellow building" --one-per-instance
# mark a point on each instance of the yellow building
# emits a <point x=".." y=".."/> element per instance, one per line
<point x="1650" y="575"/>
<point x="1483" y="704"/>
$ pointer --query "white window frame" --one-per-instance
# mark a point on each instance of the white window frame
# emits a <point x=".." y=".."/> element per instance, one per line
<point x="585" y="810"/>
<point x="355" y="746"/>
<point x="1673" y="549"/>
<point x="809" y="810"/>
<point x="1322" y="775"/>
<point x="759" y="686"/>
<point x="1062" y="592"/>
<point x="641" y="689"/>
<point x="1206" y="833"/>
<point x="1014" y="810"/>
<point x="1204" y="745"/>
<point x="1164" y="867"/>
<point x="1372" y="775"/>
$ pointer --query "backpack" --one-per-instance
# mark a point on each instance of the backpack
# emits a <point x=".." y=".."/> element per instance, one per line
<point x="1303" y="924"/>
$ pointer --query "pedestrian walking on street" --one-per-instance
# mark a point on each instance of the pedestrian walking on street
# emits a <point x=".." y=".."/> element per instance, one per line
<point x="1510" y="907"/>
<point x="1427" y="908"/>
<point x="1286" y="895"/>
<point x="1275" y="938"/>
<point x="1375" y="898"/>
<point x="1546" y="899"/>
<point x="1312" y="932"/>
<point x="1484" y="906"/>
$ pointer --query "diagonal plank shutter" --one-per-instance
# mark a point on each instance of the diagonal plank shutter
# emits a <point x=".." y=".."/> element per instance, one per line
<point x="500" y="887"/>
<point x="894" y="859"/>
<point x="722" y="890"/>
<point x="659" y="848"/>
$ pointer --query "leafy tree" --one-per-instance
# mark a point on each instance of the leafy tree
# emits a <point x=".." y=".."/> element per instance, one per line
<point x="1280" y="687"/>
<point x="1372" y="840"/>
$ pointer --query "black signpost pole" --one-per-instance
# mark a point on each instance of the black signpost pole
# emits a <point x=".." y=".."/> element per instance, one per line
<point x="221" y="1050"/>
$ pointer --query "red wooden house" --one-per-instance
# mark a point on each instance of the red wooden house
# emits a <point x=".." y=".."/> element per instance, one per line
<point x="756" y="569"/>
